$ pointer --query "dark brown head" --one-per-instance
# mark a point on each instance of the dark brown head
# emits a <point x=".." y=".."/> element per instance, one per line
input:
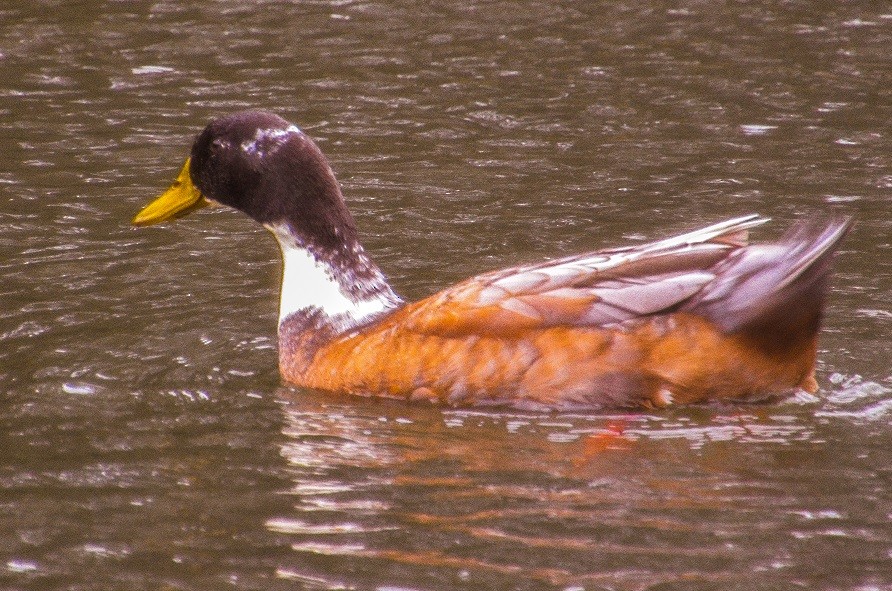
<point x="264" y="166"/>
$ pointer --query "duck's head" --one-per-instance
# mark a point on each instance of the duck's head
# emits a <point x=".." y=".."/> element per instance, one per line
<point x="267" y="168"/>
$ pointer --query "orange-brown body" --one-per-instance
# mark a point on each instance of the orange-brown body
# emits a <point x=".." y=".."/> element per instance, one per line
<point x="675" y="359"/>
<point x="698" y="318"/>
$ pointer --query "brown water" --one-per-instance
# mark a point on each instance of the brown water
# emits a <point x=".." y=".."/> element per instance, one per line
<point x="145" y="439"/>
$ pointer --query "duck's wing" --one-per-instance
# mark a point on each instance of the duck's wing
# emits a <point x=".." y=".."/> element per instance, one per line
<point x="594" y="289"/>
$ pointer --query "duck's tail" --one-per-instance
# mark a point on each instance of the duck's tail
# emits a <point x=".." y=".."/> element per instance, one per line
<point x="775" y="293"/>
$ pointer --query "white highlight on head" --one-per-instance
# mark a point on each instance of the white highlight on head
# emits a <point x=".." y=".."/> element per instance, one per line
<point x="267" y="140"/>
<point x="308" y="283"/>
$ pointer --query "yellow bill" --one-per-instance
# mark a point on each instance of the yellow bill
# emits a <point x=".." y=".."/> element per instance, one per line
<point x="180" y="199"/>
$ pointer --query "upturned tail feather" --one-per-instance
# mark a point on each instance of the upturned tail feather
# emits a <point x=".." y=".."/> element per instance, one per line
<point x="775" y="293"/>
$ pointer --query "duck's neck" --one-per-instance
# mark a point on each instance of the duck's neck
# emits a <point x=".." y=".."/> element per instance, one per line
<point x="337" y="287"/>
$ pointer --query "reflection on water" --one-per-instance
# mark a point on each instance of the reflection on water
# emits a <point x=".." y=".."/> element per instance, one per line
<point x="145" y="441"/>
<point x="390" y="494"/>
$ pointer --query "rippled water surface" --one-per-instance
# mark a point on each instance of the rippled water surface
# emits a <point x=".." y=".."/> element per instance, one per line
<point x="145" y="439"/>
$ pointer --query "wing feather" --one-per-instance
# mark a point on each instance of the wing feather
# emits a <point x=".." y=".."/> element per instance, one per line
<point x="599" y="288"/>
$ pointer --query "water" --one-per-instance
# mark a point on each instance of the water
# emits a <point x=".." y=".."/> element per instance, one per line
<point x="145" y="439"/>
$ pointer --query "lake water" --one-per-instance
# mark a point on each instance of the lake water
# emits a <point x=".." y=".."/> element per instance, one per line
<point x="146" y="441"/>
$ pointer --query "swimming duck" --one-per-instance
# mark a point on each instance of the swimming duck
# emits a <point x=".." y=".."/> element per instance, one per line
<point x="697" y="317"/>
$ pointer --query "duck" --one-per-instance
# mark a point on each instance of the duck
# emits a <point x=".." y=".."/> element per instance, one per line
<point x="704" y="316"/>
